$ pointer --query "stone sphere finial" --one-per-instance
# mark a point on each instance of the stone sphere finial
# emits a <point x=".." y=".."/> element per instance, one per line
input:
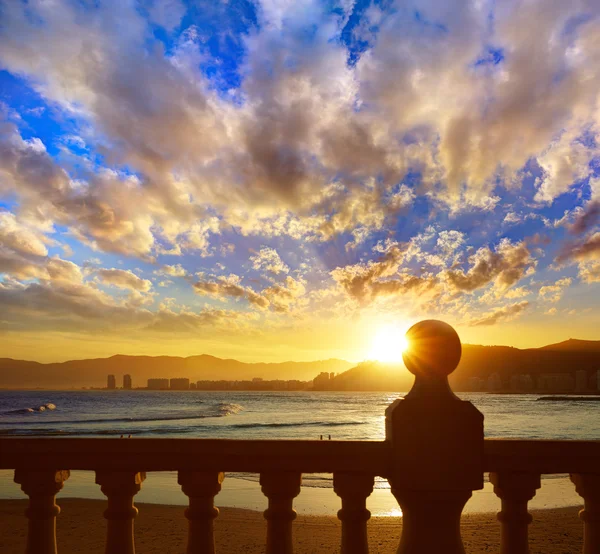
<point x="433" y="350"/>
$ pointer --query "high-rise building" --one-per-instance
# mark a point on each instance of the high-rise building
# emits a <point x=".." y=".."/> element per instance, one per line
<point x="158" y="384"/>
<point x="111" y="382"/>
<point x="180" y="383"/>
<point x="127" y="381"/>
<point x="581" y="380"/>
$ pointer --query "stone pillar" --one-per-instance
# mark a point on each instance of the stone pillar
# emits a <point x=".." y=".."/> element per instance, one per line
<point x="515" y="490"/>
<point x="201" y="487"/>
<point x="120" y="487"/>
<point x="353" y="489"/>
<point x="41" y="486"/>
<point x="280" y="488"/>
<point x="587" y="486"/>
<point x="437" y="444"/>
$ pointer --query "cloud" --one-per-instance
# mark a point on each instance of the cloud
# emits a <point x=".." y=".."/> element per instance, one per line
<point x="176" y="270"/>
<point x="80" y="308"/>
<point x="124" y="279"/>
<point x="230" y="287"/>
<point x="587" y="219"/>
<point x="589" y="272"/>
<point x="416" y="133"/>
<point x="553" y="293"/>
<point x="268" y="259"/>
<point x="585" y="249"/>
<point x="308" y="118"/>
<point x="505" y="266"/>
<point x="504" y="313"/>
<point x="20" y="238"/>
<point x="358" y="281"/>
<point x="167" y="13"/>
<point x="283" y="297"/>
<point x="449" y="241"/>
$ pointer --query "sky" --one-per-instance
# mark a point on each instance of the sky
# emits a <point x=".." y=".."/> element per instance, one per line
<point x="291" y="179"/>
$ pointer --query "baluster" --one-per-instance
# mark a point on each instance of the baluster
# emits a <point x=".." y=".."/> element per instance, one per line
<point x="280" y="488"/>
<point x="437" y="445"/>
<point x="41" y="487"/>
<point x="201" y="487"/>
<point x="587" y="486"/>
<point x="515" y="490"/>
<point x="120" y="487"/>
<point x="353" y="489"/>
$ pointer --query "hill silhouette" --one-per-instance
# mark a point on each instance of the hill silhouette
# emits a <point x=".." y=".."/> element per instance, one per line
<point x="575" y="345"/>
<point x="482" y="362"/>
<point x="476" y="361"/>
<point x="93" y="372"/>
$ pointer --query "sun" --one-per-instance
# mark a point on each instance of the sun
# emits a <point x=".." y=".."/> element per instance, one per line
<point x="388" y="343"/>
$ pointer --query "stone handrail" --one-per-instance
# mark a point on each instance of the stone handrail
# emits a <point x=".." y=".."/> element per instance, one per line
<point x="434" y="456"/>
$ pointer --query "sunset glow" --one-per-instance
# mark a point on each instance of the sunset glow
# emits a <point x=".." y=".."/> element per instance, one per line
<point x="388" y="344"/>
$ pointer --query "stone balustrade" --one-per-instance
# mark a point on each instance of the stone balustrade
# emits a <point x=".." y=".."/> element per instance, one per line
<point x="434" y="457"/>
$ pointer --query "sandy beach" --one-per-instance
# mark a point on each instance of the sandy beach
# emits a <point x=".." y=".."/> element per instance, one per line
<point x="162" y="529"/>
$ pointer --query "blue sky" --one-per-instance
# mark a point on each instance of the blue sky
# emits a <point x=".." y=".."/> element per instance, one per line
<point x="282" y="180"/>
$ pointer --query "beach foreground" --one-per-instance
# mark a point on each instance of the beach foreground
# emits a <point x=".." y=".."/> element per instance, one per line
<point x="162" y="529"/>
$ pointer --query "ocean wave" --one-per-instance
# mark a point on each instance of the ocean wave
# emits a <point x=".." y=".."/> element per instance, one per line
<point x="225" y="408"/>
<point x="222" y="409"/>
<point x="41" y="408"/>
<point x="297" y="424"/>
<point x="45" y="432"/>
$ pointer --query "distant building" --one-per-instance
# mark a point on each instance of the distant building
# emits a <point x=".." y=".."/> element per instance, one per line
<point x="494" y="382"/>
<point x="158" y="384"/>
<point x="180" y="383"/>
<point x="598" y="379"/>
<point x="476" y="384"/>
<point x="193" y="386"/>
<point x="111" y="382"/>
<point x="580" y="380"/>
<point x="556" y="382"/>
<point x="321" y="381"/>
<point x="521" y="383"/>
<point x="127" y="381"/>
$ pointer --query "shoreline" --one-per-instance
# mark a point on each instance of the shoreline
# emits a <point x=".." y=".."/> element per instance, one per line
<point x="161" y="488"/>
<point x="163" y="529"/>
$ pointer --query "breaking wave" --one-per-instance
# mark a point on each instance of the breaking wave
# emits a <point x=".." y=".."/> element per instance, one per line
<point x="222" y="409"/>
<point x="41" y="408"/>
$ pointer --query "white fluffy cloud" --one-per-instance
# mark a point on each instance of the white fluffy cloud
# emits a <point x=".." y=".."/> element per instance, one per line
<point x="268" y="259"/>
<point x="124" y="279"/>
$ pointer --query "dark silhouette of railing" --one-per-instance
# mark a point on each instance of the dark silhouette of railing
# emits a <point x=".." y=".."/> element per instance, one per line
<point x="434" y="456"/>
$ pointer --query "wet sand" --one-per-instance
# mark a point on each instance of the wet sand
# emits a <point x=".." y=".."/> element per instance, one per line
<point x="162" y="529"/>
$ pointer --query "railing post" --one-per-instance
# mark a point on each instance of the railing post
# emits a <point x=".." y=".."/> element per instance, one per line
<point x="437" y="445"/>
<point x="41" y="486"/>
<point x="587" y="486"/>
<point x="280" y="488"/>
<point x="201" y="487"/>
<point x="353" y="489"/>
<point x="515" y="490"/>
<point x="120" y="487"/>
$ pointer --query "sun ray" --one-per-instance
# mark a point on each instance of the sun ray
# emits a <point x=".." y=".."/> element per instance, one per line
<point x="388" y="343"/>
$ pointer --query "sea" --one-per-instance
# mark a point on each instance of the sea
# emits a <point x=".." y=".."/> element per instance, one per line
<point x="273" y="415"/>
<point x="268" y="415"/>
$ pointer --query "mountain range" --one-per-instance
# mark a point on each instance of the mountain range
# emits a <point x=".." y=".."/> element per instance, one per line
<point x="93" y="372"/>
<point x="480" y="361"/>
